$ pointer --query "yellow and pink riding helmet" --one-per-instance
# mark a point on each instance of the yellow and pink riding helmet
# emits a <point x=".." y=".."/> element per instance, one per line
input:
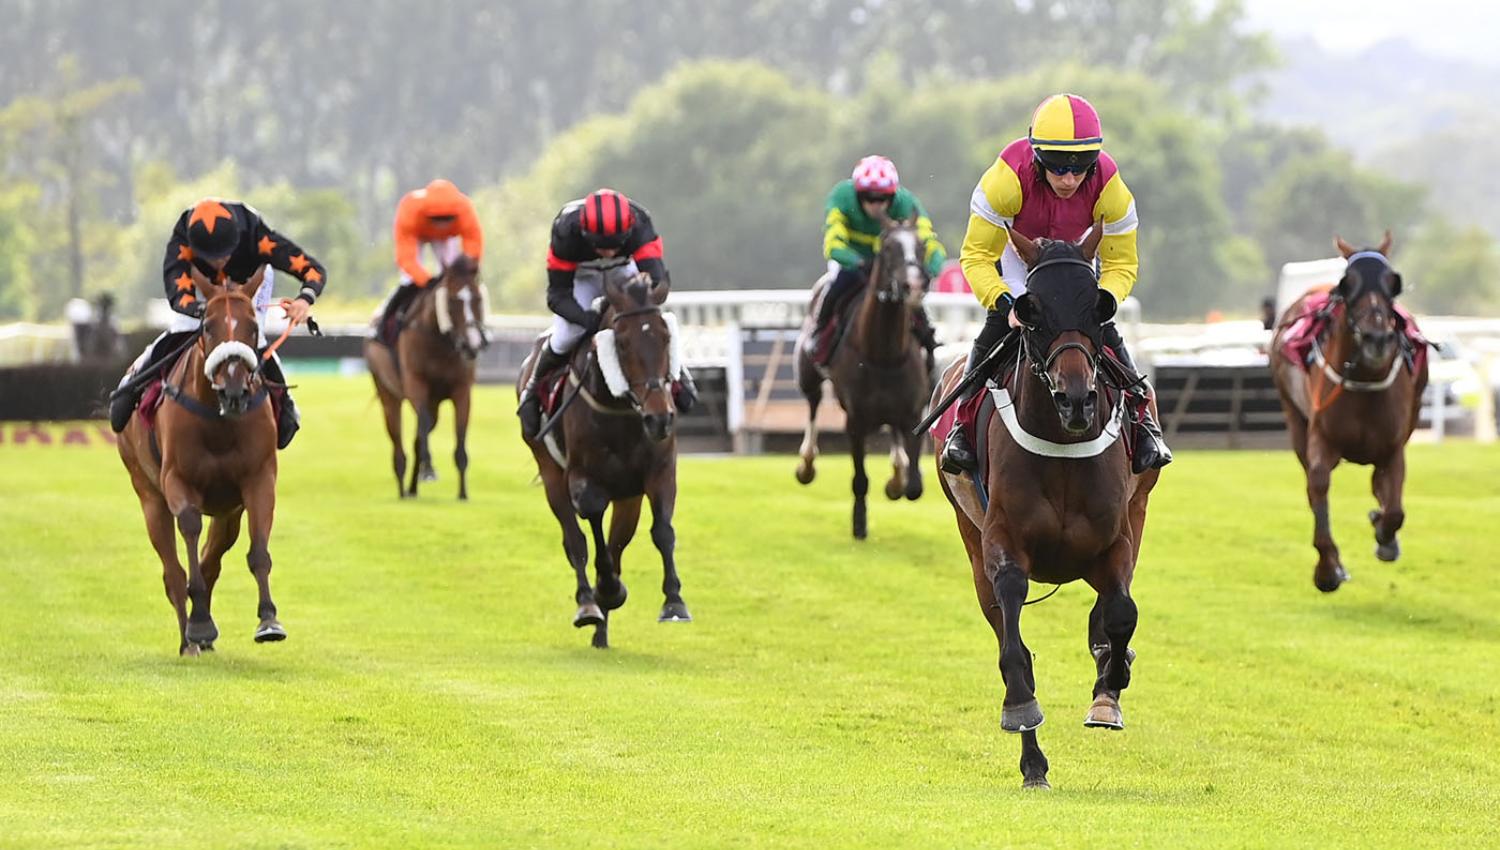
<point x="1065" y="135"/>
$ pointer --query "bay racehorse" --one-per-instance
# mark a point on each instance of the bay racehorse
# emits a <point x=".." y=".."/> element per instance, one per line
<point x="212" y="451"/>
<point x="1062" y="502"/>
<point x="433" y="361"/>
<point x="612" y="441"/>
<point x="1358" y="401"/>
<point x="880" y="372"/>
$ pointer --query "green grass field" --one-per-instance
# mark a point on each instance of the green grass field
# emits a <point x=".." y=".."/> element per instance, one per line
<point x="433" y="692"/>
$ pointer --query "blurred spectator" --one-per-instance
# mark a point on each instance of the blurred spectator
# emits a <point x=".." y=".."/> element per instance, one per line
<point x="1268" y="313"/>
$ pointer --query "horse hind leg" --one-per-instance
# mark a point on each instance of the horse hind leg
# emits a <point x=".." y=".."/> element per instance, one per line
<point x="391" y="404"/>
<point x="1329" y="572"/>
<point x="1387" y="482"/>
<point x="861" y="483"/>
<point x="623" y="520"/>
<point x="460" y="435"/>
<point x="200" y="623"/>
<point x="913" y="489"/>
<point x="895" y="486"/>
<point x="811" y="385"/>
<point x="223" y="531"/>
<point x="575" y="545"/>
<point x="1111" y="625"/>
<point x="164" y="540"/>
<point x="260" y="505"/>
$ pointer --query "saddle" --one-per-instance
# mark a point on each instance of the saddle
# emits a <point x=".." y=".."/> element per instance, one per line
<point x="831" y="336"/>
<point x="1303" y="332"/>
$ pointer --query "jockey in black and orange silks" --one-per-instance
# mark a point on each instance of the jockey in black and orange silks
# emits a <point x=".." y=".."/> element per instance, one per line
<point x="589" y="235"/>
<point x="1056" y="182"/>
<point x="221" y="240"/>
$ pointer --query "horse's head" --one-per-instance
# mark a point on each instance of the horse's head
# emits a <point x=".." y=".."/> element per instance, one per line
<point x="461" y="306"/>
<point x="639" y="348"/>
<point x="231" y="333"/>
<point x="1061" y="314"/>
<point x="900" y="272"/>
<point x="1368" y="291"/>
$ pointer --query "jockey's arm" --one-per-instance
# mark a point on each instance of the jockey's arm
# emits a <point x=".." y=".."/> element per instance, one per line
<point x="992" y="208"/>
<point x="1118" y="260"/>
<point x="471" y="233"/>
<point x="560" y="298"/>
<point x="177" y="270"/>
<point x="283" y="255"/>
<point x="936" y="255"/>
<point x="836" y="245"/>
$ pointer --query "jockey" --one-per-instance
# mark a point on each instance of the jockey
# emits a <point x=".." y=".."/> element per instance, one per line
<point x="1053" y="183"/>
<point x="851" y="238"/>
<point x="222" y="240"/>
<point x="589" y="235"/>
<point x="440" y="218"/>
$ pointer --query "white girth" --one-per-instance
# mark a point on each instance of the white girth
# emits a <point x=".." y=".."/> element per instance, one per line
<point x="1046" y="448"/>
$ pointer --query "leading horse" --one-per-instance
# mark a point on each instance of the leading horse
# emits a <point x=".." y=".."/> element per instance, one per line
<point x="1359" y="401"/>
<point x="617" y="446"/>
<point x="1062" y="502"/>
<point x="880" y="373"/>
<point x="212" y="451"/>
<point x="433" y="361"/>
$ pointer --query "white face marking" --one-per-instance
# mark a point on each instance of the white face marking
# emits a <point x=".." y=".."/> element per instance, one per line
<point x="908" y="242"/>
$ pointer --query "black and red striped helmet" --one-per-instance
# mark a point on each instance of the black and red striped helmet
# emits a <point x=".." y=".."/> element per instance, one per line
<point x="606" y="219"/>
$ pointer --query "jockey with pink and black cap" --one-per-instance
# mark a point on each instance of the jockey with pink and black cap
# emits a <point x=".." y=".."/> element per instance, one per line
<point x="602" y="231"/>
<point x="851" y="238"/>
<point x="1055" y="182"/>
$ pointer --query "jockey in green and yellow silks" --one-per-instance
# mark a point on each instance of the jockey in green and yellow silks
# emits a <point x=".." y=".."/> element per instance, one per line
<point x="856" y="209"/>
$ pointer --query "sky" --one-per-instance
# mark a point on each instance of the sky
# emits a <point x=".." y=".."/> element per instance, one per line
<point x="1458" y="29"/>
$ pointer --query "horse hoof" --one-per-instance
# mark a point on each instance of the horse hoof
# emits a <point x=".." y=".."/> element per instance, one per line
<point x="1035" y="783"/>
<point x="427" y="475"/>
<point x="806" y="473"/>
<point x="588" y="615"/>
<point x="269" y="631"/>
<point x="201" y="633"/>
<point x="1388" y="551"/>
<point x="189" y="650"/>
<point x="674" y="612"/>
<point x="893" y="489"/>
<point x="1104" y="714"/>
<point x="1329" y="584"/>
<point x="1021" y="718"/>
<point x="914" y="494"/>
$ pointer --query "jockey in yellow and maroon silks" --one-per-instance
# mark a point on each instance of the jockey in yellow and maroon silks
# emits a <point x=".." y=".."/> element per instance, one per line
<point x="1055" y="182"/>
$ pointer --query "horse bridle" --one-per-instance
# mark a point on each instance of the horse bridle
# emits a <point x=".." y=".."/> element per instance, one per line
<point x="637" y="403"/>
<point x="894" y="294"/>
<point x="1042" y="366"/>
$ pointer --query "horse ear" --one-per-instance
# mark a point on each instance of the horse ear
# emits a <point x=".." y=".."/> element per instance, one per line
<point x="1090" y="246"/>
<point x="1345" y="249"/>
<point x="1026" y="310"/>
<point x="1385" y="245"/>
<point x="1025" y="248"/>
<point x="661" y="288"/>
<point x="1105" y="306"/>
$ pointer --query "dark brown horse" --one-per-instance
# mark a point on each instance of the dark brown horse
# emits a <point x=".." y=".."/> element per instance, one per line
<point x="611" y="442"/>
<point x="1359" y="401"/>
<point x="213" y="451"/>
<point x="1063" y="504"/>
<point x="879" y="372"/>
<point x="442" y="333"/>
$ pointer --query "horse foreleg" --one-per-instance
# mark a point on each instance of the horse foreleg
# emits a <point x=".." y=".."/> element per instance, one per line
<point x="391" y="403"/>
<point x="861" y="483"/>
<point x="662" y="491"/>
<point x="1387" y="482"/>
<point x="183" y="503"/>
<point x="164" y="541"/>
<point x="1111" y="624"/>
<point x="1329" y="572"/>
<point x="623" y="518"/>
<point x="426" y="421"/>
<point x="260" y="504"/>
<point x="575" y="545"/>
<point x="1020" y="711"/>
<point x="223" y="531"/>
<point x="591" y="501"/>
<point x="460" y="433"/>
<point x="811" y="384"/>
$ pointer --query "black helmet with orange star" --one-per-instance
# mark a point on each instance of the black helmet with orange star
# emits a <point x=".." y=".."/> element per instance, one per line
<point x="213" y="232"/>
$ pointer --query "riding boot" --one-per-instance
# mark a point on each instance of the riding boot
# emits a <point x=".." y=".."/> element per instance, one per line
<point x="926" y="334"/>
<point x="123" y="401"/>
<point x="288" y="420"/>
<point x="958" y="455"/>
<point x="530" y="409"/>
<point x="1151" y="450"/>
<point x="684" y="391"/>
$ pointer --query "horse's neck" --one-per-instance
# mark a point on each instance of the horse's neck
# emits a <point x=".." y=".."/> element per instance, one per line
<point x="882" y="330"/>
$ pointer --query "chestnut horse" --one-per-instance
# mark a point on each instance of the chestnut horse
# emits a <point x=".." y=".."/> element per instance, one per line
<point x="1063" y="504"/>
<point x="880" y="373"/>
<point x="441" y="334"/>
<point x="1359" y="401"/>
<point x="617" y="446"/>
<point x="212" y="451"/>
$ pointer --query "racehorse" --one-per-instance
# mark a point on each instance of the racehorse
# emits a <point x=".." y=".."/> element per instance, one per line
<point x="880" y="373"/>
<point x="1360" y="400"/>
<point x="1062" y="502"/>
<point x="212" y="451"/>
<point x="433" y="361"/>
<point x="617" y="446"/>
